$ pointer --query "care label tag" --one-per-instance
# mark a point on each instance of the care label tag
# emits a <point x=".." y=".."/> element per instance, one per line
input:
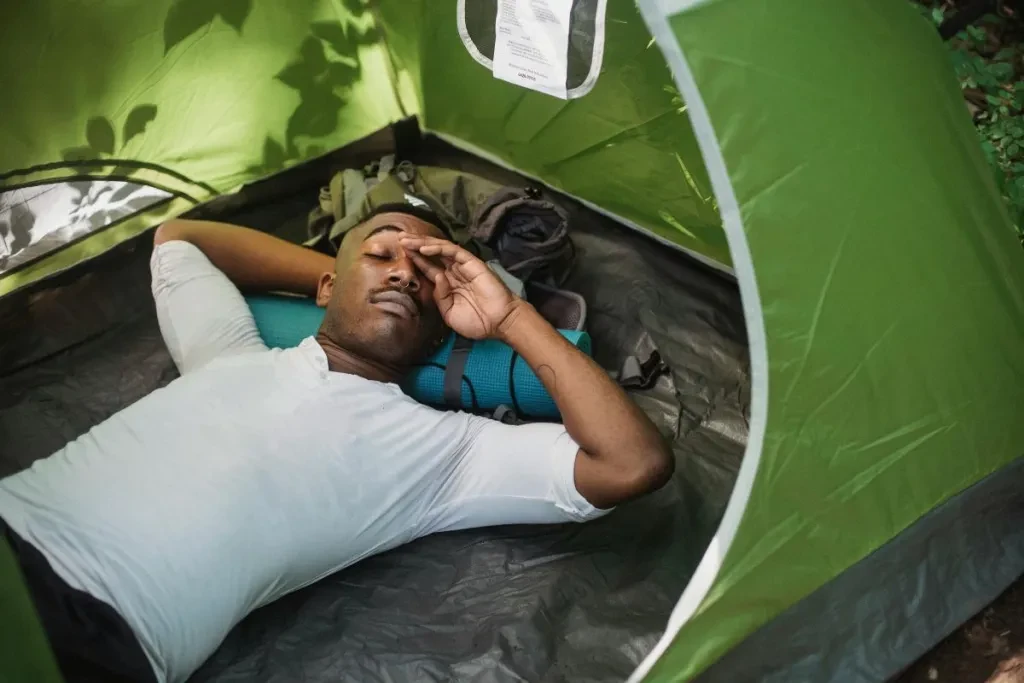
<point x="531" y="44"/>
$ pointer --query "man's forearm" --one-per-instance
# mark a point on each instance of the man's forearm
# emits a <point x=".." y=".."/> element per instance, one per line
<point x="629" y="455"/>
<point x="251" y="259"/>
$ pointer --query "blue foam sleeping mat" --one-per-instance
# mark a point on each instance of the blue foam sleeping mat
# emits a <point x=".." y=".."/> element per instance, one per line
<point x="494" y="375"/>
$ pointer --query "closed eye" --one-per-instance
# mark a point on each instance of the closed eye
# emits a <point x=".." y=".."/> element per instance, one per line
<point x="379" y="257"/>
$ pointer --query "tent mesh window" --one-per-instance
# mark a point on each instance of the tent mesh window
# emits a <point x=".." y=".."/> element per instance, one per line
<point x="36" y="220"/>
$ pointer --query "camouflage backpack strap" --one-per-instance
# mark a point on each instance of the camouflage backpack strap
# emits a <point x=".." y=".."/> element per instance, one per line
<point x="359" y="206"/>
<point x="345" y="189"/>
<point x="321" y="217"/>
<point x="340" y="202"/>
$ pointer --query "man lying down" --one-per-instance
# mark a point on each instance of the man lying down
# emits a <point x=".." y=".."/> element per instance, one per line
<point x="257" y="472"/>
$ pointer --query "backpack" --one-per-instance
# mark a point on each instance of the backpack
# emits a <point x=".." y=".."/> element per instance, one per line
<point x="525" y="232"/>
<point x="353" y="194"/>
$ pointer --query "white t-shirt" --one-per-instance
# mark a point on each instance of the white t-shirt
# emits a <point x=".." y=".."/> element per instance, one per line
<point x="258" y="472"/>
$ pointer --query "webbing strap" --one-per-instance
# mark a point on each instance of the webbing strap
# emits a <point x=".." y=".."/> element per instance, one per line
<point x="452" y="389"/>
<point x="641" y="374"/>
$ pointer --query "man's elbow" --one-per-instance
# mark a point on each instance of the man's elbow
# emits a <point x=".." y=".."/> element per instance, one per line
<point x="653" y="468"/>
<point x="607" y="483"/>
<point x="658" y="468"/>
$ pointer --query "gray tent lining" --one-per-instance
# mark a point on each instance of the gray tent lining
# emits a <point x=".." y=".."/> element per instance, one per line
<point x="877" y="617"/>
<point x="565" y="602"/>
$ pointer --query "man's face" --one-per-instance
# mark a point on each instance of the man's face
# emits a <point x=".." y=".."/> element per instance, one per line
<point x="379" y="306"/>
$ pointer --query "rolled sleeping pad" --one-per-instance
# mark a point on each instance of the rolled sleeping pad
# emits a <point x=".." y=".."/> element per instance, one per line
<point x="284" y="321"/>
<point x="493" y="375"/>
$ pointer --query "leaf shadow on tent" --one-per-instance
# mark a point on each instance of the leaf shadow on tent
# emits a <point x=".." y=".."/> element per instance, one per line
<point x="97" y="204"/>
<point x="101" y="139"/>
<point x="185" y="17"/>
<point x="16" y="232"/>
<point x="325" y="67"/>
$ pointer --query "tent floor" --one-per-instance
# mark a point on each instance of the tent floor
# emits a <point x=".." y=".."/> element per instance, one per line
<point x="568" y="602"/>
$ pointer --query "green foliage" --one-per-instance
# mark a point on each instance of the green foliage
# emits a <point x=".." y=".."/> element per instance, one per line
<point x="989" y="61"/>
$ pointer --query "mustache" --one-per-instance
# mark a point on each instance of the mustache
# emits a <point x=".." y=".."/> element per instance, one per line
<point x="380" y="290"/>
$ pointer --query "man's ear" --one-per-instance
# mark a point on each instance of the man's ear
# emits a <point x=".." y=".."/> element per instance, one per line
<point x="324" y="288"/>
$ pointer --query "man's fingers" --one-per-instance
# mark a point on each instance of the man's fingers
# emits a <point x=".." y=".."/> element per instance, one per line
<point x="456" y="259"/>
<point x="430" y="267"/>
<point x="426" y="266"/>
<point x="433" y="246"/>
<point x="452" y="251"/>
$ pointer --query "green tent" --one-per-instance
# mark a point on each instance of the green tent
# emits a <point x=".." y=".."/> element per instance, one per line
<point x="818" y="153"/>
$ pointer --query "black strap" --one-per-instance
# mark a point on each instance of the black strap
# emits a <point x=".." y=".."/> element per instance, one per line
<point x="512" y="384"/>
<point x="507" y="415"/>
<point x="641" y="374"/>
<point x="452" y="388"/>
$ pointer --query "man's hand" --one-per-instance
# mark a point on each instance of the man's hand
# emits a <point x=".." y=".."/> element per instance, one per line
<point x="471" y="297"/>
<point x="621" y="454"/>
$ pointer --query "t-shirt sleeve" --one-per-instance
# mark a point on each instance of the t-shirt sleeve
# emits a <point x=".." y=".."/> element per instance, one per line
<point x="202" y="315"/>
<point x="512" y="474"/>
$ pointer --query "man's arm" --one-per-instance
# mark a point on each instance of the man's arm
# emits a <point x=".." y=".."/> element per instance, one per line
<point x="622" y="456"/>
<point x="252" y="260"/>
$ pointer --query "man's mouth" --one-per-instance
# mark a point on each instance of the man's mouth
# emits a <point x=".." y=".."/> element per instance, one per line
<point x="396" y="303"/>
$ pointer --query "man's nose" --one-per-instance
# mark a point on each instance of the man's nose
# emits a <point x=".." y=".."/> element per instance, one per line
<point x="404" y="276"/>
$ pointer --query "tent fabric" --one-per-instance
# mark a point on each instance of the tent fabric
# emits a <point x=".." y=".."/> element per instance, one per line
<point x="24" y="651"/>
<point x="627" y="146"/>
<point x="820" y="151"/>
<point x="188" y="95"/>
<point x="890" y="608"/>
<point x="273" y="84"/>
<point x="565" y="602"/>
<point x="883" y="290"/>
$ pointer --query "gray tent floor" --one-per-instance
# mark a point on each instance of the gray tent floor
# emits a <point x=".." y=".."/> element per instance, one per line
<point x="552" y="603"/>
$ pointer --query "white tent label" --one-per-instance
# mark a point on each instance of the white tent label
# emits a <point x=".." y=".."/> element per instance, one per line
<point x="531" y="44"/>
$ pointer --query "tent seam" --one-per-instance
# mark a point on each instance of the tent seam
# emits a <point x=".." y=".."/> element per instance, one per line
<point x="467" y="40"/>
<point x="707" y="571"/>
<point x="672" y="7"/>
<point x="119" y="178"/>
<point x="130" y="163"/>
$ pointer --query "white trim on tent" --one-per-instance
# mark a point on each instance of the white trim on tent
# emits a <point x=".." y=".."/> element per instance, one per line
<point x="480" y="57"/>
<point x="596" y="55"/>
<point x="497" y="161"/>
<point x="654" y="14"/>
<point x="672" y="7"/>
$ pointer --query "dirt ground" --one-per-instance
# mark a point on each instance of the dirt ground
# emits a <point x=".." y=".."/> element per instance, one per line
<point x="987" y="649"/>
